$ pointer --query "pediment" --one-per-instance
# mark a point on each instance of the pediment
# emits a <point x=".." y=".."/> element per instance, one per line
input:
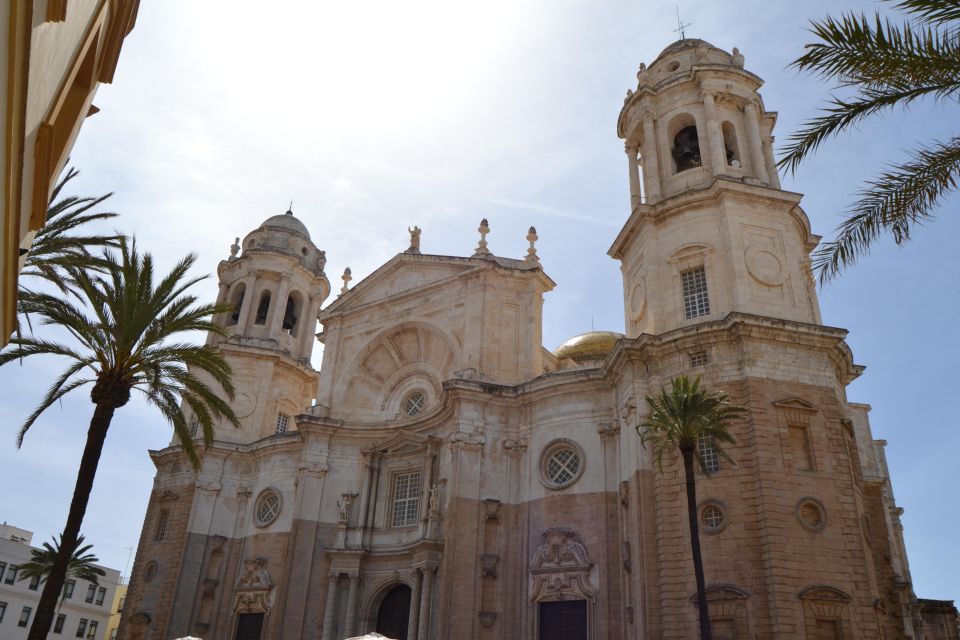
<point x="401" y="443"/>
<point x="401" y="275"/>
<point x="795" y="404"/>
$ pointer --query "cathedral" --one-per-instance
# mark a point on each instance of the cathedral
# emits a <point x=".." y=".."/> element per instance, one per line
<point x="443" y="476"/>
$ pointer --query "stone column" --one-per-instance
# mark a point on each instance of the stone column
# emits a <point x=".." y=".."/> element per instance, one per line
<point x="275" y="320"/>
<point x="330" y="609"/>
<point x="423" y="633"/>
<point x="222" y="317"/>
<point x="771" y="163"/>
<point x="651" y="166"/>
<point x="757" y="163"/>
<point x="248" y="303"/>
<point x="308" y="325"/>
<point x="714" y="138"/>
<point x="414" y="608"/>
<point x="634" y="173"/>
<point x="350" y="622"/>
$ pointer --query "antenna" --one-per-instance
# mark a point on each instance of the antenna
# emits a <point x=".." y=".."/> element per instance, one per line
<point x="129" y="553"/>
<point x="681" y="26"/>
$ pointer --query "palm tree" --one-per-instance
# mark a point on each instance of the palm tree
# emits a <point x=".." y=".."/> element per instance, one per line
<point x="123" y="334"/>
<point x="680" y="418"/>
<point x="81" y="565"/>
<point x="884" y="65"/>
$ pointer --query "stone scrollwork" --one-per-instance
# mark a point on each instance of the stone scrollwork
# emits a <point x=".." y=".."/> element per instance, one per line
<point x="560" y="568"/>
<point x="252" y="592"/>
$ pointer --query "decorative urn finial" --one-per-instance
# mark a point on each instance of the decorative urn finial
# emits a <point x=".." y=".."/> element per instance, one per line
<point x="532" y="238"/>
<point x="346" y="277"/>
<point x="482" y="251"/>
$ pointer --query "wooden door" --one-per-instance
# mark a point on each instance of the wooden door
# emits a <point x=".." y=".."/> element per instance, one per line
<point x="249" y="626"/>
<point x="394" y="613"/>
<point x="563" y="620"/>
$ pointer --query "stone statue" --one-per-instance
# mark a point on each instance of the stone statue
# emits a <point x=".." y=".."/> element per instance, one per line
<point x="254" y="573"/>
<point x="629" y="95"/>
<point x="433" y="510"/>
<point x="414" y="240"/>
<point x="344" y="503"/>
<point x="737" y="58"/>
<point x="235" y="248"/>
<point x="642" y="75"/>
<point x="321" y="260"/>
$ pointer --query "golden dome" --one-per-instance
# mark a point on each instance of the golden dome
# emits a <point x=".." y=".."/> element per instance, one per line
<point x="587" y="347"/>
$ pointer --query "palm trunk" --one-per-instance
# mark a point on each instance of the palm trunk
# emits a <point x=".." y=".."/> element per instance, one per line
<point x="705" y="632"/>
<point x="96" y="436"/>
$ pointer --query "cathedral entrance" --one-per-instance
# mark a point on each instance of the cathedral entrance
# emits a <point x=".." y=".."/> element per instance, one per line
<point x="563" y="620"/>
<point x="393" y="615"/>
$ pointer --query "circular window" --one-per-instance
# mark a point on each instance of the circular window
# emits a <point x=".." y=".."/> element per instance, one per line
<point x="712" y="518"/>
<point x="150" y="571"/>
<point x="811" y="514"/>
<point x="415" y="403"/>
<point x="561" y="464"/>
<point x="267" y="508"/>
<point x="673" y="66"/>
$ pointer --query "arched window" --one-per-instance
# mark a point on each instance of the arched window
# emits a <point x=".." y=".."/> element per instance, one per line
<point x="263" y="308"/>
<point x="731" y="149"/>
<point x="236" y="301"/>
<point x="291" y="314"/>
<point x="686" y="143"/>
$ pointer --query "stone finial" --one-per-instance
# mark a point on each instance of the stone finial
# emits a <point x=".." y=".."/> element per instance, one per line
<point x="629" y="95"/>
<point x="414" y="240"/>
<point x="642" y="75"/>
<point x="235" y="248"/>
<point x="482" y="251"/>
<point x="737" y="58"/>
<point x="321" y="260"/>
<point x="532" y="238"/>
<point x="346" y="277"/>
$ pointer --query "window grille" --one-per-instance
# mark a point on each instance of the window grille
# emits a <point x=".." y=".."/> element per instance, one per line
<point x="194" y="428"/>
<point x="162" y="523"/>
<point x="707" y="449"/>
<point x="712" y="518"/>
<point x="415" y="403"/>
<point x="699" y="359"/>
<point x="695" y="300"/>
<point x="406" y="499"/>
<point x="562" y="466"/>
<point x="24" y="616"/>
<point x="282" y="421"/>
<point x="267" y="508"/>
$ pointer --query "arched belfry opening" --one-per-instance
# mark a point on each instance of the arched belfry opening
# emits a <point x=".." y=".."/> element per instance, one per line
<point x="263" y="308"/>
<point x="291" y="314"/>
<point x="236" y="302"/>
<point x="393" y="616"/>
<point x="686" y="149"/>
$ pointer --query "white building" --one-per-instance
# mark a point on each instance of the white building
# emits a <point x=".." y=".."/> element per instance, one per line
<point x="86" y="609"/>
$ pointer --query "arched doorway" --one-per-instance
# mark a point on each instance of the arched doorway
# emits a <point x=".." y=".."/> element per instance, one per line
<point x="394" y="613"/>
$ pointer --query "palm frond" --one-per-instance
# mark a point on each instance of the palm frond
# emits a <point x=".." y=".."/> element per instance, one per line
<point x="933" y="11"/>
<point x="901" y="197"/>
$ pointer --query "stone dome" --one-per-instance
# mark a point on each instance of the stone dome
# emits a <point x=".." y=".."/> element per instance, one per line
<point x="587" y="347"/>
<point x="686" y="43"/>
<point x="288" y="222"/>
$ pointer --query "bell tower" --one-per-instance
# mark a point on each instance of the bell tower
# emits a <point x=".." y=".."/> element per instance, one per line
<point x="710" y="231"/>
<point x="275" y="282"/>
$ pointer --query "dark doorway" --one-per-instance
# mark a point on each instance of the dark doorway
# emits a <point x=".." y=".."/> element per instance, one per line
<point x="564" y="620"/>
<point x="249" y="626"/>
<point x="394" y="613"/>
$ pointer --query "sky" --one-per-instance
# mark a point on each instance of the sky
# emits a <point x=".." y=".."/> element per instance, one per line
<point x="375" y="116"/>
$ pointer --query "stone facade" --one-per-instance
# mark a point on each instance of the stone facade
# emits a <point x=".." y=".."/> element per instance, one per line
<point x="443" y="476"/>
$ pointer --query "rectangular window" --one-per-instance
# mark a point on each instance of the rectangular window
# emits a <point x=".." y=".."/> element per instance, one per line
<point x="24" y="617"/>
<point x="828" y="630"/>
<point x="194" y="428"/>
<point x="162" y="522"/>
<point x="120" y="606"/>
<point x="58" y="625"/>
<point x="68" y="587"/>
<point x="406" y="499"/>
<point x="82" y="627"/>
<point x="696" y="303"/>
<point x="91" y="591"/>
<point x="3" y="610"/>
<point x="34" y="583"/>
<point x="707" y="449"/>
<point x="3" y="568"/>
<point x="282" y="421"/>
<point x="800" y="448"/>
<point x="11" y="575"/>
<point x="101" y="594"/>
<point x="92" y="630"/>
<point x="699" y="359"/>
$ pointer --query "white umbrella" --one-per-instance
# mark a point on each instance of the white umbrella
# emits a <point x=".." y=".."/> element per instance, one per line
<point x="370" y="636"/>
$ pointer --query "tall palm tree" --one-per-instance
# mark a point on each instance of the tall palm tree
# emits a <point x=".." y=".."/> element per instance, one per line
<point x="884" y="65"/>
<point x="679" y="419"/>
<point x="124" y="333"/>
<point x="82" y="564"/>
